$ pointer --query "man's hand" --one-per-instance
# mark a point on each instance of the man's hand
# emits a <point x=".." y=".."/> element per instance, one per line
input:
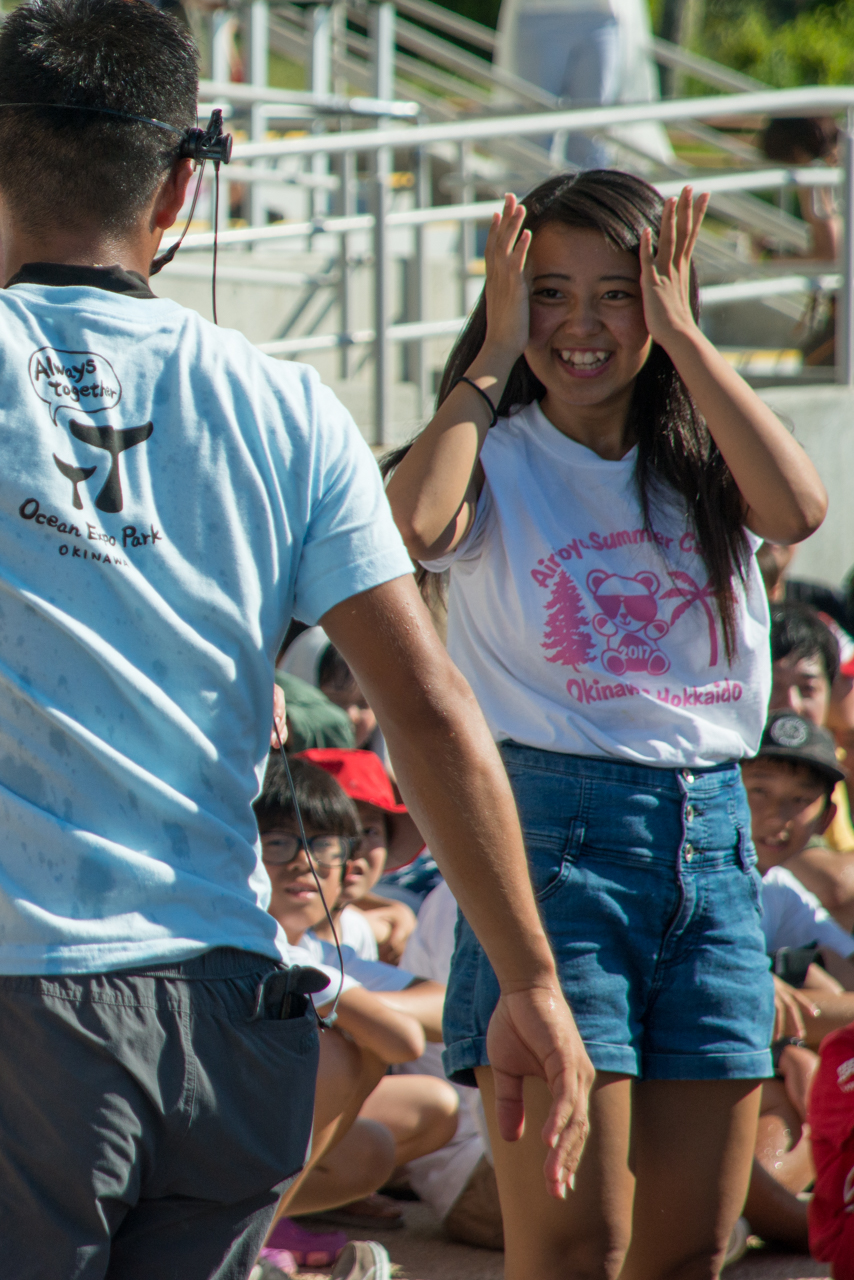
<point x="279" y="730"/>
<point x="533" y="1033"/>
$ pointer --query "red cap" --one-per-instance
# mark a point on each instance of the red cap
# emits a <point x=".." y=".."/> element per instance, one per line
<point x="360" y="773"/>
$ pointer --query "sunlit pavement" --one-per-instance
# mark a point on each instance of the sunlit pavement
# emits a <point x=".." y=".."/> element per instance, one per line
<point x="421" y="1252"/>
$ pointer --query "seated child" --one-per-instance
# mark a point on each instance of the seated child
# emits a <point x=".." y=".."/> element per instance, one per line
<point x="831" y="1116"/>
<point x="313" y="658"/>
<point x="386" y="826"/>
<point x="458" y="1180"/>
<point x="789" y="785"/>
<point x="805" y="663"/>
<point x="389" y="1026"/>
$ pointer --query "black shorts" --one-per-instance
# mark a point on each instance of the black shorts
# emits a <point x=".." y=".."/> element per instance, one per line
<point x="149" y="1119"/>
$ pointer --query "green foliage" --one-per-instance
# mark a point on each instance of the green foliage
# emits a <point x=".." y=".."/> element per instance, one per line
<point x="814" y="46"/>
<point x="285" y="74"/>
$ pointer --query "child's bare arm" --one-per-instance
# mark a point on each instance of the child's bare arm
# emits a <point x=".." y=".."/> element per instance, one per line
<point x="392" y="1035"/>
<point x="422" y="999"/>
<point x="434" y="491"/>
<point x="392" y="923"/>
<point x="839" y="967"/>
<point x="830" y="876"/>
<point x="784" y="499"/>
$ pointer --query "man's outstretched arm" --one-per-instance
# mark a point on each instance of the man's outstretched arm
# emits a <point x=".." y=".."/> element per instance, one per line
<point x="454" y="783"/>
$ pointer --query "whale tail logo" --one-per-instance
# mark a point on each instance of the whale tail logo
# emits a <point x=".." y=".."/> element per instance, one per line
<point x="114" y="442"/>
<point x="75" y="475"/>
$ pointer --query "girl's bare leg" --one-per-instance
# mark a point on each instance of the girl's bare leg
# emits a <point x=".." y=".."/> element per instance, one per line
<point x="692" y="1150"/>
<point x="420" y="1111"/>
<point x="781" y="1146"/>
<point x="362" y="1161"/>
<point x="346" y="1075"/>
<point x="585" y="1236"/>
<point x="775" y="1213"/>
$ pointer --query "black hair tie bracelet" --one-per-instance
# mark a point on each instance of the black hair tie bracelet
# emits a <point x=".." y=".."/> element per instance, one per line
<point x="480" y="391"/>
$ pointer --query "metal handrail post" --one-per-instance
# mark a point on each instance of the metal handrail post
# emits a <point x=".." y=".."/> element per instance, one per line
<point x="382" y="354"/>
<point x="320" y="22"/>
<point x="222" y="22"/>
<point x="259" y="59"/>
<point x="423" y="199"/>
<point x="845" y="304"/>
<point x="382" y="30"/>
<point x="465" y="244"/>
<point x="345" y="294"/>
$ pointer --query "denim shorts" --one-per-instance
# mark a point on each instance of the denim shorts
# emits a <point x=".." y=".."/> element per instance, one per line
<point x="648" y="889"/>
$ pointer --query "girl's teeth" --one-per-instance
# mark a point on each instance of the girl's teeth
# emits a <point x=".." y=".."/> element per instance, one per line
<point x="584" y="359"/>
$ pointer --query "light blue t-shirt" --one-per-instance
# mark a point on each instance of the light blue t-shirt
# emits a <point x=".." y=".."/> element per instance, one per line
<point x="170" y="498"/>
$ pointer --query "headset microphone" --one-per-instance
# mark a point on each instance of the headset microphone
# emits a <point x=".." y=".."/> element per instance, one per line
<point x="207" y="144"/>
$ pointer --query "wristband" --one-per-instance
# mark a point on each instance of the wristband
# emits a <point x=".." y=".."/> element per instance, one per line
<point x="777" y="1047"/>
<point x="480" y="392"/>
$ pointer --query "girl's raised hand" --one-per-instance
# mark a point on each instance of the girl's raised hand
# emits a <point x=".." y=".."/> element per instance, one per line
<point x="507" y="305"/>
<point x="665" y="275"/>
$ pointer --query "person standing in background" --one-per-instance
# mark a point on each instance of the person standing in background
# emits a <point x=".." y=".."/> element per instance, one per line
<point x="589" y="53"/>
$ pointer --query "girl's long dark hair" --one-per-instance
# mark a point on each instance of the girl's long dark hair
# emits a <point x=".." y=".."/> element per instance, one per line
<point x="675" y="448"/>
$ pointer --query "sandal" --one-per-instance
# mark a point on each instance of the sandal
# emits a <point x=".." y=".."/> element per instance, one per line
<point x="362" y="1260"/>
<point x="304" y="1248"/>
<point x="265" y="1269"/>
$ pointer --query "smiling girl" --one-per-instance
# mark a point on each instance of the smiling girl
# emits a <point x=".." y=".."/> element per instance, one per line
<point x="606" y="606"/>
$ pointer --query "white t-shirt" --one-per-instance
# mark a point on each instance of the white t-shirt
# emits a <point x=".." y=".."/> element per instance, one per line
<point x="582" y="632"/>
<point x="430" y="946"/>
<point x="309" y="957"/>
<point x="355" y="932"/>
<point x="374" y="975"/>
<point x="169" y="499"/>
<point x="794" y="917"/>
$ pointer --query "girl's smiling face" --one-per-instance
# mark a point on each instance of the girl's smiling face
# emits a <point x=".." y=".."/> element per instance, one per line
<point x="588" y="338"/>
<point x="295" y="902"/>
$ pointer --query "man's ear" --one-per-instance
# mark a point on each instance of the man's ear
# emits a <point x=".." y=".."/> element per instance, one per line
<point x="170" y="198"/>
<point x="826" y="818"/>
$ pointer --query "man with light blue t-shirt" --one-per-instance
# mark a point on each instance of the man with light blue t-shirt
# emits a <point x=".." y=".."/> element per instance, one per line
<point x="170" y="499"/>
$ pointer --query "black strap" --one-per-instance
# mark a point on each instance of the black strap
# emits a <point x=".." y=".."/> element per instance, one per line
<point x="480" y="391"/>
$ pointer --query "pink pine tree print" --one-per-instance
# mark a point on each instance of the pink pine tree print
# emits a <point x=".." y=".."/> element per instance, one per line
<point x="564" y="633"/>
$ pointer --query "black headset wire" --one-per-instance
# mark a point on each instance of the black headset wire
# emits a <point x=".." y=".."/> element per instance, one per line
<point x="330" y="1019"/>
<point x="165" y="258"/>
<point x="215" y="242"/>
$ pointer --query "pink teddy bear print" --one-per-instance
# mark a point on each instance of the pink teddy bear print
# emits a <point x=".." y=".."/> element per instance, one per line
<point x="629" y="622"/>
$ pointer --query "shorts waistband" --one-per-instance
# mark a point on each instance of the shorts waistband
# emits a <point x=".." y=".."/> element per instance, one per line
<point x="610" y="769"/>
<point x="220" y="962"/>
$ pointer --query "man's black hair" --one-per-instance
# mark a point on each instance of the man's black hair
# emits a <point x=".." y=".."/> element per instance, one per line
<point x="325" y="806"/>
<point x="80" y="168"/>
<point x="798" y="631"/>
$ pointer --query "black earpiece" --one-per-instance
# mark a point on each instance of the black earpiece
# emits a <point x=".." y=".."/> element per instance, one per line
<point x="207" y="144"/>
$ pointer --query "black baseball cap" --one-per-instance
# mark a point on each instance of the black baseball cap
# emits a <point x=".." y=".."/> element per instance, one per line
<point x="790" y="737"/>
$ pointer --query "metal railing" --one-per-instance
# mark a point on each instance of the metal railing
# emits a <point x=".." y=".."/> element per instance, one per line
<point x="327" y="158"/>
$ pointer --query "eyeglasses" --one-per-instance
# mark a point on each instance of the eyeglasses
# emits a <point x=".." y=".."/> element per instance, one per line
<point x="327" y="851"/>
<point x="639" y="608"/>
